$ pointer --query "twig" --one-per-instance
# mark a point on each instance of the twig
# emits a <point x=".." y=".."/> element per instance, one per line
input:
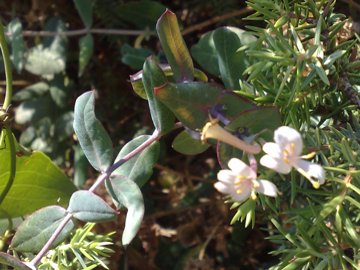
<point x="154" y="137"/>
<point x="80" y="32"/>
<point x="216" y="19"/>
<point x="129" y="32"/>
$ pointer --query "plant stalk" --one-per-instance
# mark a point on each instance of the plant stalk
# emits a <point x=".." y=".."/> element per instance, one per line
<point x="154" y="137"/>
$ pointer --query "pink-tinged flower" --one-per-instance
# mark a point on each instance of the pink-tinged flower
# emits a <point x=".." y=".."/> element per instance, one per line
<point x="240" y="182"/>
<point x="284" y="154"/>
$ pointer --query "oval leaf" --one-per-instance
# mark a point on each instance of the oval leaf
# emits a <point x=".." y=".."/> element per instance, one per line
<point x="126" y="193"/>
<point x="192" y="101"/>
<point x="185" y="144"/>
<point x="139" y="168"/>
<point x="84" y="7"/>
<point x="36" y="230"/>
<point x="88" y="207"/>
<point x="153" y="76"/>
<point x="174" y="47"/>
<point x="38" y="182"/>
<point x="205" y="54"/>
<point x="86" y="46"/>
<point x="92" y="136"/>
<point x="232" y="63"/>
<point x="17" y="43"/>
<point x="32" y="91"/>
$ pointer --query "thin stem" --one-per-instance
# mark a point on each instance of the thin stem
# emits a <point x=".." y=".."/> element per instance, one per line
<point x="51" y="240"/>
<point x="154" y="137"/>
<point x="84" y="31"/>
<point x="7" y="65"/>
<point x="12" y="164"/>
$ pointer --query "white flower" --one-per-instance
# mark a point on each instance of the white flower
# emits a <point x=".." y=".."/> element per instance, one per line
<point x="240" y="182"/>
<point x="285" y="153"/>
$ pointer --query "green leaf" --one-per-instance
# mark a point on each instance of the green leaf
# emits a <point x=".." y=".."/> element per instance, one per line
<point x="174" y="47"/>
<point x="32" y="91"/>
<point x="44" y="62"/>
<point x="92" y="136"/>
<point x="320" y="71"/>
<point x="205" y="54"/>
<point x="185" y="144"/>
<point x="17" y="43"/>
<point x="153" y="76"/>
<point x="142" y="14"/>
<point x="38" y="183"/>
<point x="59" y="89"/>
<point x="191" y="101"/>
<point x="58" y="43"/>
<point x="139" y="168"/>
<point x="85" y="9"/>
<point x="35" y="109"/>
<point x="232" y="62"/>
<point x="88" y="207"/>
<point x="126" y="193"/>
<point x="48" y="58"/>
<point x="86" y="47"/>
<point x="36" y="230"/>
<point x="6" y="259"/>
<point x="63" y="126"/>
<point x="80" y="166"/>
<point x="134" y="57"/>
<point x="263" y="120"/>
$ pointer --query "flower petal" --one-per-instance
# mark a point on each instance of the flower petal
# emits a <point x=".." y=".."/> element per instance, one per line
<point x="275" y="164"/>
<point x="273" y="150"/>
<point x="267" y="188"/>
<point x="226" y="176"/>
<point x="223" y="188"/>
<point x="240" y="168"/>
<point x="312" y="170"/>
<point x="285" y="136"/>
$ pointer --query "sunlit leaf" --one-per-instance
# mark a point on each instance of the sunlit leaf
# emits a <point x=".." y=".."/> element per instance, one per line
<point x="126" y="193"/>
<point x="139" y="168"/>
<point x="38" y="183"/>
<point x="92" y="136"/>
<point x="32" y="91"/>
<point x="153" y="76"/>
<point x="17" y="43"/>
<point x="88" y="207"/>
<point x="174" y="47"/>
<point x="35" y="231"/>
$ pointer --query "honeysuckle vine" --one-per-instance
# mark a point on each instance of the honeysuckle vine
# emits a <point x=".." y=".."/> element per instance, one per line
<point x="100" y="180"/>
<point x="263" y="89"/>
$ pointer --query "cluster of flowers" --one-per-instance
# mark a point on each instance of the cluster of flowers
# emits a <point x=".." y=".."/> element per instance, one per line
<point x="240" y="181"/>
